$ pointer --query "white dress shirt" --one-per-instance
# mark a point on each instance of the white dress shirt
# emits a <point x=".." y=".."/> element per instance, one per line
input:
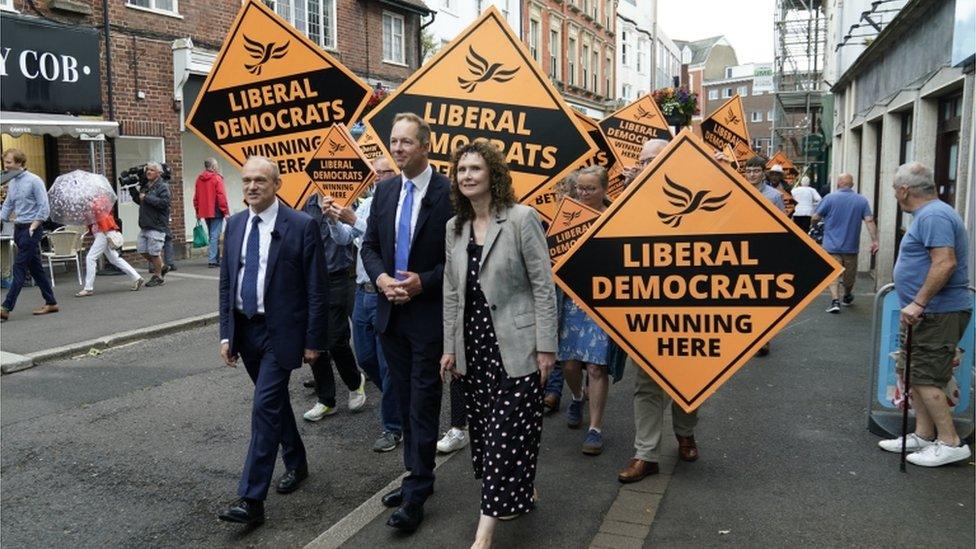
<point x="420" y="185"/>
<point x="265" y="228"/>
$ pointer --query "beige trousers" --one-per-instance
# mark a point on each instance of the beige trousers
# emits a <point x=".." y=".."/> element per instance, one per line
<point x="649" y="403"/>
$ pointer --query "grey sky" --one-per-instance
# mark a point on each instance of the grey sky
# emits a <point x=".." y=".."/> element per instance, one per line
<point x="746" y="24"/>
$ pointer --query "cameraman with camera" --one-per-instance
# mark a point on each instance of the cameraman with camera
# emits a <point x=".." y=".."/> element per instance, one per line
<point x="153" y="198"/>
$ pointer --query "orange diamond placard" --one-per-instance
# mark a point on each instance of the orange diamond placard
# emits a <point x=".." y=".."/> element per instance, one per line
<point x="485" y="84"/>
<point x="369" y="143"/>
<point x="726" y="131"/>
<point x="571" y="220"/>
<point x="339" y="169"/>
<point x="687" y="272"/>
<point x="272" y="92"/>
<point x="627" y="129"/>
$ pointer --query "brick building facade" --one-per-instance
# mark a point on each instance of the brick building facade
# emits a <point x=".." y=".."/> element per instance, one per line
<point x="574" y="42"/>
<point x="160" y="53"/>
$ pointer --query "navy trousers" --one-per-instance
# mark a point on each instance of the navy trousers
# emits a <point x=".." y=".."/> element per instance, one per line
<point x="413" y="358"/>
<point x="272" y="418"/>
<point x="28" y="259"/>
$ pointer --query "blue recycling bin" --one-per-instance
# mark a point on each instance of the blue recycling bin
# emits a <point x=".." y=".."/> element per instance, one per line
<point x="884" y="417"/>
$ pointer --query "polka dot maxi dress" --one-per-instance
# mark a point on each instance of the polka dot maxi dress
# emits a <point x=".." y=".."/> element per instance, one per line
<point x="504" y="414"/>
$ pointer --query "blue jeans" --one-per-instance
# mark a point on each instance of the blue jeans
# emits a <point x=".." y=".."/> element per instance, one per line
<point x="28" y="259"/>
<point x="214" y="226"/>
<point x="554" y="385"/>
<point x="371" y="359"/>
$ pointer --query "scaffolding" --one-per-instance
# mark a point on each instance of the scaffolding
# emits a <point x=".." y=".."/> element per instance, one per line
<point x="799" y="35"/>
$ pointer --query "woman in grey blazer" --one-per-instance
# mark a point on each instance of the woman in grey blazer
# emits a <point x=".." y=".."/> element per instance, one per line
<point x="499" y="329"/>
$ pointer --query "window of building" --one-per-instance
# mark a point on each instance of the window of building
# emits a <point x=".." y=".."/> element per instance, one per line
<point x="728" y="72"/>
<point x="769" y="116"/>
<point x="168" y="6"/>
<point x="757" y="116"/>
<point x="446" y="4"/>
<point x="596" y="71"/>
<point x="555" y="45"/>
<point x="906" y="153"/>
<point x="393" y="38"/>
<point x="623" y="48"/>
<point x="625" y="91"/>
<point x="640" y="56"/>
<point x="743" y="91"/>
<point x="595" y="10"/>
<point x="586" y="66"/>
<point x="571" y="61"/>
<point x="726" y="93"/>
<point x="947" y="148"/>
<point x="315" y="18"/>
<point x="609" y="69"/>
<point x="534" y="38"/>
<point x="712" y="95"/>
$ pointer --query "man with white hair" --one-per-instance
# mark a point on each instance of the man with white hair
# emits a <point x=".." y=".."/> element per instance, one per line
<point x="650" y="400"/>
<point x="153" y="199"/>
<point x="842" y="212"/>
<point x="932" y="282"/>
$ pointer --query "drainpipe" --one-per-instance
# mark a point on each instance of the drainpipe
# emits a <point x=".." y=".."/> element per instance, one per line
<point x="420" y="38"/>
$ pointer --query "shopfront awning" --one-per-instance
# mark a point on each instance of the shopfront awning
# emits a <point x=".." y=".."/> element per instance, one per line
<point x="20" y="123"/>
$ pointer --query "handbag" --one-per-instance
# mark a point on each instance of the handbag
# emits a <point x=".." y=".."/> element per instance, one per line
<point x="115" y="240"/>
<point x="200" y="239"/>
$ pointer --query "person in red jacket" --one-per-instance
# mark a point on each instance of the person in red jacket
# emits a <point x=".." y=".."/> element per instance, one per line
<point x="210" y="203"/>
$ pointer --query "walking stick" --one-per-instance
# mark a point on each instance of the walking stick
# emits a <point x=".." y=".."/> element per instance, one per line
<point x="908" y="386"/>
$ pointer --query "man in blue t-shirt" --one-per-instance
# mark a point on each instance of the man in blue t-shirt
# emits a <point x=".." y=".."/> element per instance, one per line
<point x="843" y="211"/>
<point x="932" y="281"/>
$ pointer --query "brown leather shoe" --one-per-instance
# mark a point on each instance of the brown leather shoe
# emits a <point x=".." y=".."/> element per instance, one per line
<point x="550" y="403"/>
<point x="636" y="470"/>
<point x="4" y="314"/>
<point x="46" y="309"/>
<point x="687" y="449"/>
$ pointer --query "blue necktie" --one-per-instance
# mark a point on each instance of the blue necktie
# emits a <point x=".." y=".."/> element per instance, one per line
<point x="249" y="287"/>
<point x="402" y="256"/>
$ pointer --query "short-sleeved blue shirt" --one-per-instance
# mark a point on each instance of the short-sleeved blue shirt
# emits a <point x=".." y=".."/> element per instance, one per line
<point x="934" y="225"/>
<point x="843" y="211"/>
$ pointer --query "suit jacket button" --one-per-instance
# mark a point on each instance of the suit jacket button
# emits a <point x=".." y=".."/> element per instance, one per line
<point x="494" y="307"/>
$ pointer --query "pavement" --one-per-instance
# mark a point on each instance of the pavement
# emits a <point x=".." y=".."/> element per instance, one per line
<point x="113" y="316"/>
<point x="141" y="443"/>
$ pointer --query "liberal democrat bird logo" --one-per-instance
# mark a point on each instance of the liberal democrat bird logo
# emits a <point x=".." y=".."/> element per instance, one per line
<point x="263" y="53"/>
<point x="644" y="113"/>
<point x="335" y="147"/>
<point x="569" y="217"/>
<point x="731" y="118"/>
<point x="484" y="71"/>
<point x="681" y="197"/>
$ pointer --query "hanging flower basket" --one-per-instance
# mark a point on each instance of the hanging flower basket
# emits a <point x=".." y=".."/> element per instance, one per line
<point x="677" y="104"/>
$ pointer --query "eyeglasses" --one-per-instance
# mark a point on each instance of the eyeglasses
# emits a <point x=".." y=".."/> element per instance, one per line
<point x="586" y="190"/>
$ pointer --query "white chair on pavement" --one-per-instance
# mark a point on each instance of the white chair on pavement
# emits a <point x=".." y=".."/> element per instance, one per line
<point x="64" y="249"/>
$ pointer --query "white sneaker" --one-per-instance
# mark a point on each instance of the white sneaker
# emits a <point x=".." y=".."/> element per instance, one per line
<point x="938" y="454"/>
<point x="453" y="440"/>
<point x="913" y="443"/>
<point x="357" y="398"/>
<point x="318" y="412"/>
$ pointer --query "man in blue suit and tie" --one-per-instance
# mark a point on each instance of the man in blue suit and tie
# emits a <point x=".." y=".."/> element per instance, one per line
<point x="403" y="253"/>
<point x="274" y="315"/>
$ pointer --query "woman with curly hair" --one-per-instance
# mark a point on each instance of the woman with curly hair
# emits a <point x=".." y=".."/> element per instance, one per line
<point x="499" y="329"/>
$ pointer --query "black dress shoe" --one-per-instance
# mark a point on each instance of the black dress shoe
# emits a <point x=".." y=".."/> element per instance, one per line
<point x="408" y="517"/>
<point x="393" y="498"/>
<point x="244" y="511"/>
<point x="291" y="480"/>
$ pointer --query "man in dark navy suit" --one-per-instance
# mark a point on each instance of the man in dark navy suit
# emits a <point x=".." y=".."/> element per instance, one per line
<point x="274" y="314"/>
<point x="403" y="252"/>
